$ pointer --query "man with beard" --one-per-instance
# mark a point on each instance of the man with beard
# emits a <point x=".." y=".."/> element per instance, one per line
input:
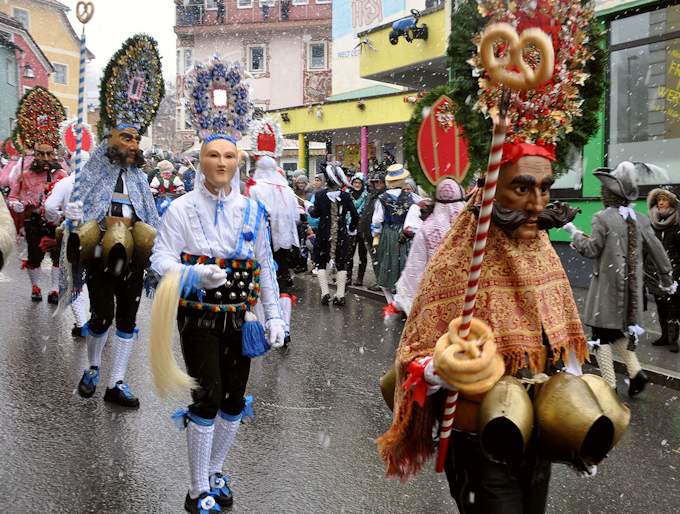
<point x="37" y="176"/>
<point x="114" y="189"/>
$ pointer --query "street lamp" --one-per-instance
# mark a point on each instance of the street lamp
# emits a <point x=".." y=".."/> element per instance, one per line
<point x="28" y="72"/>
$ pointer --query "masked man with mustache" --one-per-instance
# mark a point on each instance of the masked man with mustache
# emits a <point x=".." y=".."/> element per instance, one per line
<point x="38" y="174"/>
<point x="113" y="185"/>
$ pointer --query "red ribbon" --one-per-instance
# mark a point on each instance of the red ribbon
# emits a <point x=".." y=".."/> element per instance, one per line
<point x="416" y="379"/>
<point x="512" y="152"/>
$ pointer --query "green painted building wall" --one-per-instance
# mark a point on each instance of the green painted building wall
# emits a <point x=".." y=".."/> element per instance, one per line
<point x="9" y="97"/>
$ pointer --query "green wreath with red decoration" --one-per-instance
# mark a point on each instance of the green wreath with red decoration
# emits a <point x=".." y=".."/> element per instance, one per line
<point x="580" y="56"/>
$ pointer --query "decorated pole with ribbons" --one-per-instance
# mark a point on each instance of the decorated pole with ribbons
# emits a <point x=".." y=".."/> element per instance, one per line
<point x="527" y="78"/>
<point x="84" y="12"/>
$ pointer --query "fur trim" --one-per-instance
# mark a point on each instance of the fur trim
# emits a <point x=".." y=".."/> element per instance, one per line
<point x="654" y="194"/>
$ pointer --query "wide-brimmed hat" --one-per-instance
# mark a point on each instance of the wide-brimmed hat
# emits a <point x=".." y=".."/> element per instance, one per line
<point x="396" y="173"/>
<point x="623" y="180"/>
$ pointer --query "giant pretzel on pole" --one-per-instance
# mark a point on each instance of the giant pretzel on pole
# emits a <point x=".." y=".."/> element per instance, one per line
<point x="466" y="356"/>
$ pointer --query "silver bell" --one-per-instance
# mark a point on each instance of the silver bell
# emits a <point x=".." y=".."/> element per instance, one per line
<point x="229" y="283"/>
<point x="237" y="275"/>
<point x="241" y="284"/>
<point x="218" y="295"/>
<point x="232" y="296"/>
<point x="244" y="295"/>
<point x="251" y="286"/>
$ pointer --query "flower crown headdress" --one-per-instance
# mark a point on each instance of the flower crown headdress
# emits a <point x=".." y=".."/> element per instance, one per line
<point x="218" y="100"/>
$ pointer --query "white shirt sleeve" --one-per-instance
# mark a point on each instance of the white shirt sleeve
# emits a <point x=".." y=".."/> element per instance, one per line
<point x="378" y="218"/>
<point x="269" y="288"/>
<point x="413" y="220"/>
<point x="56" y="201"/>
<point x="169" y="243"/>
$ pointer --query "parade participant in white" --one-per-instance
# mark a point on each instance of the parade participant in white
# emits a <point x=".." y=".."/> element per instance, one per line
<point x="214" y="253"/>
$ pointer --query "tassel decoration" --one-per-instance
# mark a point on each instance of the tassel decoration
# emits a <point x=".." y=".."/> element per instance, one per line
<point x="254" y="342"/>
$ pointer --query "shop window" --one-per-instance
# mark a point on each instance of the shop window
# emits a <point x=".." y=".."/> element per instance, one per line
<point x="60" y="74"/>
<point x="316" y="56"/>
<point x="257" y="59"/>
<point x="644" y="97"/>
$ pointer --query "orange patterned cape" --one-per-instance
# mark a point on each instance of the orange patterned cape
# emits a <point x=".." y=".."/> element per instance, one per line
<point x="523" y="294"/>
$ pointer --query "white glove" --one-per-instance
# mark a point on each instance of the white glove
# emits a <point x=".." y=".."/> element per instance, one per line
<point x="74" y="211"/>
<point x="210" y="276"/>
<point x="572" y="229"/>
<point x="352" y="232"/>
<point x="276" y="333"/>
<point x="670" y="290"/>
<point x="16" y="206"/>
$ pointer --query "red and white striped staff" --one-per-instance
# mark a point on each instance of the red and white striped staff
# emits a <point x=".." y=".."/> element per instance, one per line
<point x="478" y="251"/>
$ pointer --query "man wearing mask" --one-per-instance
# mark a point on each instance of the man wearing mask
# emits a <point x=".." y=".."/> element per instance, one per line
<point x="37" y="176"/>
<point x="115" y="190"/>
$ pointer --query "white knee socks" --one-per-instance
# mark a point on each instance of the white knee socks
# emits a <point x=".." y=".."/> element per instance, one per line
<point x="226" y="427"/>
<point x="95" y="347"/>
<point x="121" y="349"/>
<point x="287" y="307"/>
<point x="606" y="362"/>
<point x="199" y="444"/>
<point x="81" y="308"/>
<point x="34" y="275"/>
<point x="323" y="282"/>
<point x="341" y="284"/>
<point x="629" y="358"/>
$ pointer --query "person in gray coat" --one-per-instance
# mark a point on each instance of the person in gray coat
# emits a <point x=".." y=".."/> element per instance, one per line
<point x="614" y="303"/>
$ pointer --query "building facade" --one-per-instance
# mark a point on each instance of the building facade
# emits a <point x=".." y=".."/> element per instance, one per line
<point x="47" y="23"/>
<point x="9" y="86"/>
<point x="285" y="45"/>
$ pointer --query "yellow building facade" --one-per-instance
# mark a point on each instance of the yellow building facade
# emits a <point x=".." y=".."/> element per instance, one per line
<point x="47" y="22"/>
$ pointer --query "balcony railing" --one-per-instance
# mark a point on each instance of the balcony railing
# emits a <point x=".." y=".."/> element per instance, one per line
<point x="192" y="15"/>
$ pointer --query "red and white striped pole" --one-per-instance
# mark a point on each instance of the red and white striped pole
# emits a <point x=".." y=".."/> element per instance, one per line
<point x="478" y="251"/>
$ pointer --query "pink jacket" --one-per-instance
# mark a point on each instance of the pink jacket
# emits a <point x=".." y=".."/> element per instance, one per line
<point x="31" y="188"/>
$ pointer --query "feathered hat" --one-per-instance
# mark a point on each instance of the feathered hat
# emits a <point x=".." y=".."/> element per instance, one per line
<point x="623" y="180"/>
<point x="218" y="100"/>
<point x="39" y="116"/>
<point x="132" y="86"/>
<point x="266" y="137"/>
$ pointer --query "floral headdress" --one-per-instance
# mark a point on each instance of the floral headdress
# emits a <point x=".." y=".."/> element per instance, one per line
<point x="38" y="118"/>
<point x="218" y="100"/>
<point x="542" y="116"/>
<point x="132" y="86"/>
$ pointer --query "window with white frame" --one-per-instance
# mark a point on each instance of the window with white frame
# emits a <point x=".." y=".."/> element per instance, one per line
<point x="268" y="3"/>
<point x="300" y="2"/>
<point x="317" y="55"/>
<point x="60" y="73"/>
<point x="22" y="16"/>
<point x="188" y="58"/>
<point x="211" y="5"/>
<point x="11" y="70"/>
<point x="179" y="119"/>
<point x="244" y="4"/>
<point x="323" y="1"/>
<point x="257" y="59"/>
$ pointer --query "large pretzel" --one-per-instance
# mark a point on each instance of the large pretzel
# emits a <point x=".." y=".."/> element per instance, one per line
<point x="497" y="67"/>
<point x="84" y="11"/>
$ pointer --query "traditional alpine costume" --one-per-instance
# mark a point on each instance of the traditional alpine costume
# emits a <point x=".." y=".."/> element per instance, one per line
<point x="39" y="116"/>
<point x="271" y="188"/>
<point x="116" y="198"/>
<point x="526" y="326"/>
<point x="333" y="207"/>
<point x="387" y="228"/>
<point x="215" y="254"/>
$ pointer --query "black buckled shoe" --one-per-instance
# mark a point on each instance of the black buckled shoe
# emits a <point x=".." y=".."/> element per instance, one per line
<point x="77" y="331"/>
<point x="204" y="504"/>
<point x="121" y="395"/>
<point x="340" y="302"/>
<point x="88" y="383"/>
<point x="286" y="340"/>
<point x="219" y="488"/>
<point x="637" y="384"/>
<point x="53" y="298"/>
<point x="325" y="299"/>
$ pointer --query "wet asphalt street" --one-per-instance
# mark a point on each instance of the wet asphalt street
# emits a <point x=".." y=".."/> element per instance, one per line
<point x="310" y="448"/>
